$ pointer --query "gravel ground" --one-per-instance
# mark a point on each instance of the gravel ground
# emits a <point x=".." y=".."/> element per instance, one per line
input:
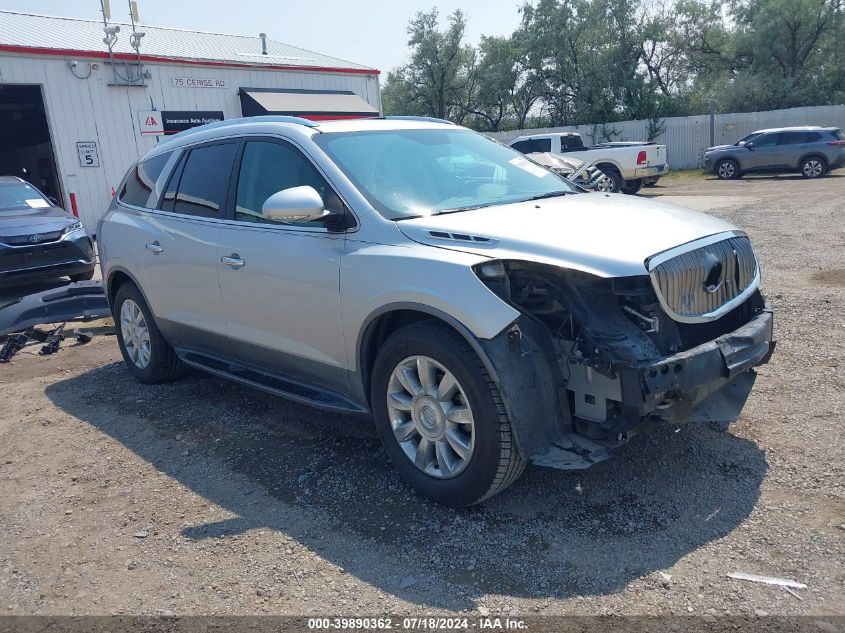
<point x="202" y="496"/>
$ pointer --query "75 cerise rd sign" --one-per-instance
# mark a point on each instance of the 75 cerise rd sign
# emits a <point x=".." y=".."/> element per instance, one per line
<point x="197" y="82"/>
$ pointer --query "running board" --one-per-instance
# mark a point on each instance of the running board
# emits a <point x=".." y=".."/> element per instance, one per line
<point x="276" y="384"/>
<point x="80" y="301"/>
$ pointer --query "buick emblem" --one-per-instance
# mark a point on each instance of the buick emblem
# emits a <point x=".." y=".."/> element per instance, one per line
<point x="35" y="239"/>
<point x="712" y="274"/>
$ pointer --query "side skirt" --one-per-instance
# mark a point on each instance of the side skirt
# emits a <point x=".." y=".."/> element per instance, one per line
<point x="276" y="384"/>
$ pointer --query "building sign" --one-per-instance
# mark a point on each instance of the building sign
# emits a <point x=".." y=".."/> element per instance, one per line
<point x="197" y="82"/>
<point x="178" y="120"/>
<point x="151" y="122"/>
<point x="88" y="154"/>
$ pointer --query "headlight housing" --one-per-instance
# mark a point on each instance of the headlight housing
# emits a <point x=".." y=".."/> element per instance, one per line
<point x="76" y="226"/>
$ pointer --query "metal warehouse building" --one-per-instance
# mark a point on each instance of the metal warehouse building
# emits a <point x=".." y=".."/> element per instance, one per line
<point x="80" y="100"/>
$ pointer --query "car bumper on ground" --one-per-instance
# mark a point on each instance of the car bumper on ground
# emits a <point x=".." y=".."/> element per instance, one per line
<point x="71" y="255"/>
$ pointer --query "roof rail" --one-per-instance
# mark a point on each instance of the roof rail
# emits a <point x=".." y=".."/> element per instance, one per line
<point x="430" y="119"/>
<point x="269" y="118"/>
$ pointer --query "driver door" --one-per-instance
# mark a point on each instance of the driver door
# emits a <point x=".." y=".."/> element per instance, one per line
<point x="765" y="154"/>
<point x="280" y="282"/>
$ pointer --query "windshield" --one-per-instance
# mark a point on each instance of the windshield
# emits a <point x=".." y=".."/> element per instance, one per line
<point x="412" y="173"/>
<point x="15" y="196"/>
<point x="747" y="139"/>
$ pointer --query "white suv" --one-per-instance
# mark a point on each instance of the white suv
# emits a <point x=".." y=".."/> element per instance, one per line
<point x="485" y="312"/>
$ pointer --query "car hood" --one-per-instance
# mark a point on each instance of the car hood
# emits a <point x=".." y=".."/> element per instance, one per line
<point x="716" y="148"/>
<point x="609" y="235"/>
<point x="32" y="221"/>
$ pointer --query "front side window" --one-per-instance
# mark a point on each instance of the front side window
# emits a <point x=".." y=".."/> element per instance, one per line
<point x="268" y="167"/>
<point x="141" y="181"/>
<point x="522" y="146"/>
<point x="766" y="140"/>
<point x="411" y="173"/>
<point x="200" y="183"/>
<point x="747" y="139"/>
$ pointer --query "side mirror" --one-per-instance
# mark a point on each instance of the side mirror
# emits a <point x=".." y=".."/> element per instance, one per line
<point x="297" y="204"/>
<point x="749" y="145"/>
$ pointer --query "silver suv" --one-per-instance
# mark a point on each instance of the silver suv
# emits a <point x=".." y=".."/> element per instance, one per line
<point x="811" y="151"/>
<point x="482" y="310"/>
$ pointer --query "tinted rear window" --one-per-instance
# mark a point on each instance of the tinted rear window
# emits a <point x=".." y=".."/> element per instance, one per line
<point x="141" y="181"/>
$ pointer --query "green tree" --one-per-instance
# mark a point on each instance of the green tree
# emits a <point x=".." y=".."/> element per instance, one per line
<point x="438" y="80"/>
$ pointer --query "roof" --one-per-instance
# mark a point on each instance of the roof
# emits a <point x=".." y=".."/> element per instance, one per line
<point x="294" y="126"/>
<point x="42" y="34"/>
<point x="797" y="128"/>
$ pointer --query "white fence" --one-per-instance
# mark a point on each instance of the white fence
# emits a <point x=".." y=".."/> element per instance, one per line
<point x="687" y="137"/>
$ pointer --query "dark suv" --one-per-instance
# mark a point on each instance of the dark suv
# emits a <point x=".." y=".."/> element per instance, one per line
<point x="811" y="151"/>
<point x="39" y="239"/>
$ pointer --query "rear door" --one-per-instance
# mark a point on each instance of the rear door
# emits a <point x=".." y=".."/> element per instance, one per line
<point x="795" y="145"/>
<point x="180" y="275"/>
<point x="280" y="282"/>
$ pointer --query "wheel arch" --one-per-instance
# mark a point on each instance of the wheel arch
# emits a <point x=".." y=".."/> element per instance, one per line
<point x="116" y="277"/>
<point x="387" y="319"/>
<point x="813" y="154"/>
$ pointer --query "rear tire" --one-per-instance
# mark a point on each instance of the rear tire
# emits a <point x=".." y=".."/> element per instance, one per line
<point x="615" y="177"/>
<point x="147" y="355"/>
<point x="813" y="167"/>
<point x="632" y="186"/>
<point x="488" y="460"/>
<point x="727" y="169"/>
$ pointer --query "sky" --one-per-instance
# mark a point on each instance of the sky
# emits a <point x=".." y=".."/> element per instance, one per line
<point x="370" y="33"/>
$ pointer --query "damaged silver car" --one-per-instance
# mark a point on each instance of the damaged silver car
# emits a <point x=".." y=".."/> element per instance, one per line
<point x="483" y="310"/>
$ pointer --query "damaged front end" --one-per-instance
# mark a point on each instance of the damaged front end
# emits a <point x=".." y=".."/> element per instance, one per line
<point x="593" y="361"/>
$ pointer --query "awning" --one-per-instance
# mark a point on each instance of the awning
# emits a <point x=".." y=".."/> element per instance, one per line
<point x="317" y="105"/>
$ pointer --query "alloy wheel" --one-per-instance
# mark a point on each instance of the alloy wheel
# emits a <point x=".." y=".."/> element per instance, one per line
<point x="135" y="334"/>
<point x="813" y="168"/>
<point x="727" y="170"/>
<point x="431" y="417"/>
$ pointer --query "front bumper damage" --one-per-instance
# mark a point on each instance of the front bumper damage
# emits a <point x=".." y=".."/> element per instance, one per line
<point x="566" y="415"/>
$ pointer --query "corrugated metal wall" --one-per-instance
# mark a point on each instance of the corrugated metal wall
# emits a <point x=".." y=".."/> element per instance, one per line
<point x="91" y="110"/>
<point x="687" y="137"/>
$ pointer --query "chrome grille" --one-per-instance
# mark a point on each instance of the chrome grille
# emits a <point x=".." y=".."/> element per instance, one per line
<point x="704" y="282"/>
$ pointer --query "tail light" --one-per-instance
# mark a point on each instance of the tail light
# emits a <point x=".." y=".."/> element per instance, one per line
<point x="641" y="159"/>
<point x="839" y="143"/>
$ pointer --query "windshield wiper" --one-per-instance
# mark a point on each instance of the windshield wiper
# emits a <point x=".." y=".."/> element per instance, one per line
<point x="551" y="194"/>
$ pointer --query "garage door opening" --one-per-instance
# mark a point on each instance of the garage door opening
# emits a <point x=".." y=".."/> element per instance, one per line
<point x="26" y="149"/>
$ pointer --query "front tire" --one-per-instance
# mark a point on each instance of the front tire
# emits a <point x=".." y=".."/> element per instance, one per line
<point x="441" y="418"/>
<point x="727" y="169"/>
<point x="147" y="355"/>
<point x="813" y="167"/>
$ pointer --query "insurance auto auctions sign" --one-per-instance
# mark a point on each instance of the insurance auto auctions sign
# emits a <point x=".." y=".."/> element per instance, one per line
<point x="160" y="123"/>
<point x="178" y="120"/>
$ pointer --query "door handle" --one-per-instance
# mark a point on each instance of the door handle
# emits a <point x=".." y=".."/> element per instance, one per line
<point x="233" y="261"/>
<point x="155" y="247"/>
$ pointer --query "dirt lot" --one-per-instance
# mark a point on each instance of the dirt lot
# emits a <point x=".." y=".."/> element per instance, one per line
<point x="207" y="497"/>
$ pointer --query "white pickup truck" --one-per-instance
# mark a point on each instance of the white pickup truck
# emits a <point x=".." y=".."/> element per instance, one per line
<point x="628" y="165"/>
